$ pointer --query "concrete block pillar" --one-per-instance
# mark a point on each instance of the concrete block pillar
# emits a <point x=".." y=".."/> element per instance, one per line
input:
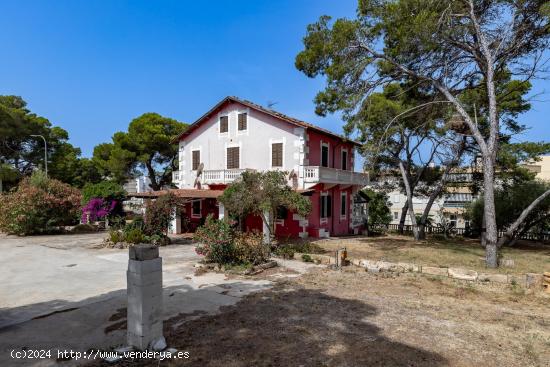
<point x="144" y="278"/>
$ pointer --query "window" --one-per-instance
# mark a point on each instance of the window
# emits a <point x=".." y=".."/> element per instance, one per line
<point x="233" y="158"/>
<point x="324" y="155"/>
<point x="344" y="160"/>
<point x="196" y="209"/>
<point x="395" y="215"/>
<point x="453" y="220"/>
<point x="277" y="155"/>
<point x="343" y="204"/>
<point x="326" y="206"/>
<point x="224" y="124"/>
<point x="242" y="121"/>
<point x="196" y="159"/>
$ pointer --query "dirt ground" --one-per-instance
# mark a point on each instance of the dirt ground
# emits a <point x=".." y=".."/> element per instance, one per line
<point x="353" y="318"/>
<point x="529" y="257"/>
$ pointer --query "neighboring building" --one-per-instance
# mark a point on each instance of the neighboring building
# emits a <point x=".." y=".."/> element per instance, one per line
<point x="541" y="167"/>
<point x="136" y="186"/>
<point x="452" y="204"/>
<point x="236" y="135"/>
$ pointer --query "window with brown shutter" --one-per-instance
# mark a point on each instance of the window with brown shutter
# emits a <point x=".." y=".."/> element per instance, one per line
<point x="243" y="121"/>
<point x="277" y="155"/>
<point x="233" y="158"/>
<point x="324" y="155"/>
<point x="224" y="124"/>
<point x="196" y="160"/>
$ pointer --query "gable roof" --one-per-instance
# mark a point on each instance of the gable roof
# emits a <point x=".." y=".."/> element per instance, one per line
<point x="265" y="110"/>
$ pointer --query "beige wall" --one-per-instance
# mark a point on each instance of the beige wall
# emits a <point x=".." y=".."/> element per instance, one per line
<point x="541" y="168"/>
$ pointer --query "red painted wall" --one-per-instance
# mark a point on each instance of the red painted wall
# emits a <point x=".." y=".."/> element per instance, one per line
<point x="335" y="148"/>
<point x="335" y="225"/>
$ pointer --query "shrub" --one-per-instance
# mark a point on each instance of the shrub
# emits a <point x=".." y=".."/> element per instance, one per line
<point x="39" y="205"/>
<point x="249" y="248"/>
<point x="306" y="258"/>
<point x="103" y="190"/>
<point x="116" y="236"/>
<point x="286" y="252"/>
<point x="134" y="236"/>
<point x="215" y="241"/>
<point x="159" y="213"/>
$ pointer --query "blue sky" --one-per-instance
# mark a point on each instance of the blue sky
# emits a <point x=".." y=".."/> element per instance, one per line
<point x="92" y="66"/>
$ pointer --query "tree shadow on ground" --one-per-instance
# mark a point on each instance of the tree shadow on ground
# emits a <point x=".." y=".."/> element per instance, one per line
<point x="289" y="327"/>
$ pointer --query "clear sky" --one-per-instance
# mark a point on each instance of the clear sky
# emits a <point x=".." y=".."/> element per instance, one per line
<point x="92" y="66"/>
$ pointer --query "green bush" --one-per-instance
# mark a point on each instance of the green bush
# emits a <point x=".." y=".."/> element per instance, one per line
<point x="286" y="252"/>
<point x="159" y="213"/>
<point x="249" y="248"/>
<point x="39" y="205"/>
<point x="104" y="190"/>
<point x="306" y="258"/>
<point x="116" y="236"/>
<point x="216" y="241"/>
<point x="135" y="236"/>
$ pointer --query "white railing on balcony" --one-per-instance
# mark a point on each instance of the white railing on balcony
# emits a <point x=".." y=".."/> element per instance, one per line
<point x="314" y="174"/>
<point x="221" y="176"/>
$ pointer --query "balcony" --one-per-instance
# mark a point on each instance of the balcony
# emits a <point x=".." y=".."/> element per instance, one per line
<point x="317" y="174"/>
<point x="221" y="176"/>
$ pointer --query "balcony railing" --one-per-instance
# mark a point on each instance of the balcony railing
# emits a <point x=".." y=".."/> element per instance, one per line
<point x="314" y="174"/>
<point x="221" y="176"/>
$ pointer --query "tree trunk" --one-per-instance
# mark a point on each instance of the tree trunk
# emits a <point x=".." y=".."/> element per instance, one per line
<point x="491" y="234"/>
<point x="408" y="190"/>
<point x="152" y="176"/>
<point x="402" y="218"/>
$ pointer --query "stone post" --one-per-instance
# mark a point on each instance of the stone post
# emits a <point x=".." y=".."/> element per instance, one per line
<point x="145" y="298"/>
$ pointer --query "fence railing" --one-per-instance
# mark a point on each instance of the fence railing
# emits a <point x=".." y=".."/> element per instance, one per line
<point x="465" y="232"/>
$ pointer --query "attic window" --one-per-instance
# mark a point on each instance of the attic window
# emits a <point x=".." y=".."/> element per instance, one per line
<point x="243" y="121"/>
<point x="224" y="124"/>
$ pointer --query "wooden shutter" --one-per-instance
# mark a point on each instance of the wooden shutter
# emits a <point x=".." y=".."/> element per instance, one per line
<point x="233" y="158"/>
<point x="224" y="124"/>
<point x="343" y="204"/>
<point x="242" y="121"/>
<point x="277" y="154"/>
<point x="329" y="206"/>
<point x="323" y="202"/>
<point x="196" y="160"/>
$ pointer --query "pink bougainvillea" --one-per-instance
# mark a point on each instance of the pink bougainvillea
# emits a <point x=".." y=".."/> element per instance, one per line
<point x="97" y="209"/>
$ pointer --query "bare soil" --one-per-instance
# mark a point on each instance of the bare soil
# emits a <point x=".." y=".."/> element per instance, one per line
<point x="529" y="257"/>
<point x="353" y="318"/>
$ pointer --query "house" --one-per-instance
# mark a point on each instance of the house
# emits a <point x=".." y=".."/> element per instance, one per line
<point x="237" y="135"/>
<point x="541" y="167"/>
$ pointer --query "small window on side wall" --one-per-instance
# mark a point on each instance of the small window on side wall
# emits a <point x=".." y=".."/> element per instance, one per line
<point x="344" y="160"/>
<point x="196" y="209"/>
<point x="242" y="121"/>
<point x="196" y="160"/>
<point x="277" y="155"/>
<point x="224" y="124"/>
<point x="324" y="155"/>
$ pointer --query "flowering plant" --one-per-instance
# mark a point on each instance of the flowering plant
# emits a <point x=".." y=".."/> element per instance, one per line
<point x="97" y="209"/>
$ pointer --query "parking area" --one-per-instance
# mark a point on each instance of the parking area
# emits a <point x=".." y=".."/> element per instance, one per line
<point x="65" y="292"/>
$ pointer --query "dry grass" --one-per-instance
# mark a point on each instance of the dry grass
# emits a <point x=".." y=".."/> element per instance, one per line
<point x="465" y="253"/>
<point x="353" y="318"/>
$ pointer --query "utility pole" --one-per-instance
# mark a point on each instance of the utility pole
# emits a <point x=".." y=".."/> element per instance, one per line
<point x="45" y="153"/>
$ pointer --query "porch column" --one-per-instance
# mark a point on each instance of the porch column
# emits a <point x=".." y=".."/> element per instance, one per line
<point x="175" y="224"/>
<point x="221" y="211"/>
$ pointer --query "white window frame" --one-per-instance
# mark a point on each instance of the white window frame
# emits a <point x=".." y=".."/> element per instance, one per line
<point x="321" y="219"/>
<point x="343" y="196"/>
<point x="324" y="144"/>
<point x="242" y="132"/>
<point x="276" y="141"/>
<point x="347" y="158"/>
<point x="193" y="215"/>
<point x="233" y="145"/>
<point x="220" y="115"/>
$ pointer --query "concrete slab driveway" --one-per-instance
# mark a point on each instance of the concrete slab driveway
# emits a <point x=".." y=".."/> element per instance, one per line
<point x="64" y="293"/>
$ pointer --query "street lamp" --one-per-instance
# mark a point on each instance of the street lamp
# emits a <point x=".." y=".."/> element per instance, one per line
<point x="45" y="153"/>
